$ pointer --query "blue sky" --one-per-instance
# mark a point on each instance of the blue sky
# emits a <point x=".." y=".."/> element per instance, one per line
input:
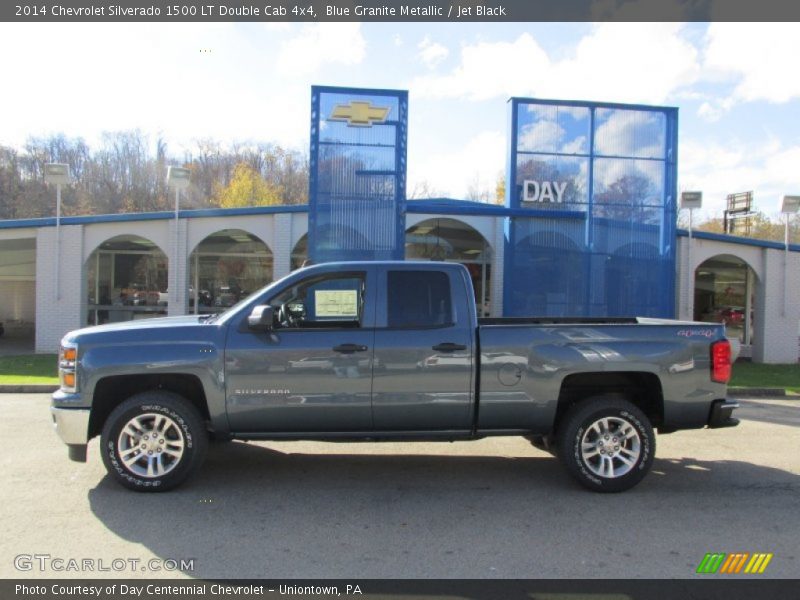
<point x="737" y="87"/>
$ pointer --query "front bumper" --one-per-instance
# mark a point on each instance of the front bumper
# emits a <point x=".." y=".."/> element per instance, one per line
<point x="721" y="414"/>
<point x="72" y="426"/>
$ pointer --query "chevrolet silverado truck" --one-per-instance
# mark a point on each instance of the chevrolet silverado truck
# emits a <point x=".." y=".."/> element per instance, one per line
<point x="376" y="351"/>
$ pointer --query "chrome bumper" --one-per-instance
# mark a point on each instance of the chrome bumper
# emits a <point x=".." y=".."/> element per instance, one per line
<point x="71" y="424"/>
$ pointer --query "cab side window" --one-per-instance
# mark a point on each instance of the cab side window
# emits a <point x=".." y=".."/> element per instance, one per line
<point x="419" y="299"/>
<point x="325" y="301"/>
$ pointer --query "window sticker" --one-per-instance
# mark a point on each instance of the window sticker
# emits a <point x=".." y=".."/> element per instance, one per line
<point x="336" y="303"/>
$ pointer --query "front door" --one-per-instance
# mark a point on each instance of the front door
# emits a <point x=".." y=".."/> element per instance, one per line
<point x="313" y="372"/>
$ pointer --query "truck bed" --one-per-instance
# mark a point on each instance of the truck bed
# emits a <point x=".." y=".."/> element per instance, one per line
<point x="526" y="362"/>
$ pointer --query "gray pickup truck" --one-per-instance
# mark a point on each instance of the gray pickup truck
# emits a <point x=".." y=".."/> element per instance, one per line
<point x="379" y="351"/>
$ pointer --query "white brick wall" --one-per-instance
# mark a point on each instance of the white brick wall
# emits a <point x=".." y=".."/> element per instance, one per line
<point x="775" y="329"/>
<point x="499" y="245"/>
<point x="282" y="245"/>
<point x="684" y="281"/>
<point x="177" y="274"/>
<point x="58" y="311"/>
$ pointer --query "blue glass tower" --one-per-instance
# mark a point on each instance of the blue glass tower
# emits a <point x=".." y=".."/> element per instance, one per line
<point x="357" y="186"/>
<point x="591" y="189"/>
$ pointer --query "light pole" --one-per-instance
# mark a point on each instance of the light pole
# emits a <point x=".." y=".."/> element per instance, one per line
<point x="690" y="201"/>
<point x="789" y="206"/>
<point x="178" y="179"/>
<point x="57" y="174"/>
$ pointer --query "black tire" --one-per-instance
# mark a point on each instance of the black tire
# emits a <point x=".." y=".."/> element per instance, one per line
<point x="628" y="436"/>
<point x="184" y="433"/>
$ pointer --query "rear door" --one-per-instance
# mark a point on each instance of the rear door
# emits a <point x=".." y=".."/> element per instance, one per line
<point x="424" y="355"/>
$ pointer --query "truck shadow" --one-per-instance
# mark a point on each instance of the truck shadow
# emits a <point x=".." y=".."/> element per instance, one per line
<point x="770" y="412"/>
<point x="257" y="512"/>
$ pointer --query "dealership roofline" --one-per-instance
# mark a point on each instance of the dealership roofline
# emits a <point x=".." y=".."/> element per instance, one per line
<point x="438" y="206"/>
<point x="735" y="239"/>
<point x="153" y="216"/>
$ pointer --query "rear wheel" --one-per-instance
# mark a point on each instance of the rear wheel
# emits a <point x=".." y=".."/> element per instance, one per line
<point x="607" y="444"/>
<point x="153" y="441"/>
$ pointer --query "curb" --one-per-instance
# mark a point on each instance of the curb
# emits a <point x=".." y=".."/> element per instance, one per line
<point x="28" y="388"/>
<point x="744" y="392"/>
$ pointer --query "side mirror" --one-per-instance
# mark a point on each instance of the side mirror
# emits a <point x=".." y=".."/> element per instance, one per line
<point x="262" y="317"/>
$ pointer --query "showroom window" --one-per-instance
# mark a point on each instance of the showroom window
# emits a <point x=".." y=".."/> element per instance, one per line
<point x="724" y="293"/>
<point x="126" y="279"/>
<point x="225" y="267"/>
<point x="451" y="240"/>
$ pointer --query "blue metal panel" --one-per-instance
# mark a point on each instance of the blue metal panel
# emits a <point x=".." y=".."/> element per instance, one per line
<point x="357" y="174"/>
<point x="614" y="163"/>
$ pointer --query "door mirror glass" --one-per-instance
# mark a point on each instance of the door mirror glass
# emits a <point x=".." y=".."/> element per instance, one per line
<point x="261" y="317"/>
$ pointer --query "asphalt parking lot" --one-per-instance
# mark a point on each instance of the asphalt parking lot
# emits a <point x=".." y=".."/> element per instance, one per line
<point x="496" y="508"/>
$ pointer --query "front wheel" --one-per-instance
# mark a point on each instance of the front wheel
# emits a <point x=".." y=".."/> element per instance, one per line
<point x="153" y="441"/>
<point x="607" y="444"/>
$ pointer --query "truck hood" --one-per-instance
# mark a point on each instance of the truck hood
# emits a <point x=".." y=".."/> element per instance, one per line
<point x="149" y="330"/>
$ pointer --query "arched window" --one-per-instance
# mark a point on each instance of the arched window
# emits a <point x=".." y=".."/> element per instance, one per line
<point x="724" y="292"/>
<point x="451" y="240"/>
<point x="225" y="267"/>
<point x="299" y="253"/>
<point x="126" y="278"/>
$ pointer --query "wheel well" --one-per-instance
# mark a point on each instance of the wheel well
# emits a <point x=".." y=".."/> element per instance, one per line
<point x="111" y="391"/>
<point x="642" y="389"/>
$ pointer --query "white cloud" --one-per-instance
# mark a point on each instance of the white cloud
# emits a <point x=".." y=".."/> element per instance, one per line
<point x="479" y="161"/>
<point x="760" y="59"/>
<point x="547" y="133"/>
<point x="710" y="111"/>
<point x="154" y="78"/>
<point x="542" y="135"/>
<point x="320" y="44"/>
<point x="762" y="55"/>
<point x="630" y="133"/>
<point x="487" y="70"/>
<point x="576" y="146"/>
<point x="627" y="62"/>
<point x="431" y="53"/>
<point x="550" y="113"/>
<point x="609" y="172"/>
<point x="768" y="168"/>
<point x="277" y="27"/>
<point x="624" y="62"/>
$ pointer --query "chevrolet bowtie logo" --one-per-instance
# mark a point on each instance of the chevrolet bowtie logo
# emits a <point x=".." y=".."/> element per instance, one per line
<point x="359" y="114"/>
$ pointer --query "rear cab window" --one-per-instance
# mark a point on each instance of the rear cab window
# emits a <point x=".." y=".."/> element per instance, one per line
<point x="417" y="299"/>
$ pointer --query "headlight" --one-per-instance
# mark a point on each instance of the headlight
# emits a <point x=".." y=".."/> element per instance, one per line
<point x="67" y="360"/>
